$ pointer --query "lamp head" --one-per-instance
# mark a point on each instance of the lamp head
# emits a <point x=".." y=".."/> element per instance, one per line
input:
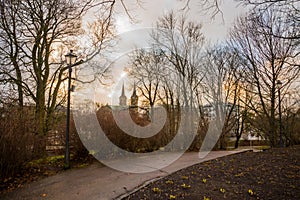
<point x="279" y="83"/>
<point x="71" y="57"/>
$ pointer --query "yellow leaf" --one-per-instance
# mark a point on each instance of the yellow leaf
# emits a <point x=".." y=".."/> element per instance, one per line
<point x="185" y="186"/>
<point x="250" y="192"/>
<point x="184" y="177"/>
<point x="156" y="190"/>
<point x="222" y="190"/>
<point x="169" y="182"/>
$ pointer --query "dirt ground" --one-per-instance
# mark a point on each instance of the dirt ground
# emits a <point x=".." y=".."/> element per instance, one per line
<point x="270" y="174"/>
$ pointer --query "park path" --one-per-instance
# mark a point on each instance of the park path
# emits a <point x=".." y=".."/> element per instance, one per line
<point x="98" y="182"/>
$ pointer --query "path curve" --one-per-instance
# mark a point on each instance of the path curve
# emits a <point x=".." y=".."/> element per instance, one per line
<point x="101" y="183"/>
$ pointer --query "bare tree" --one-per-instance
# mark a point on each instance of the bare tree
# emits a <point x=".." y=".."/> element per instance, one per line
<point x="287" y="10"/>
<point x="268" y="58"/>
<point x="170" y="72"/>
<point x="146" y="67"/>
<point x="34" y="37"/>
<point x="210" y="7"/>
<point x="221" y="87"/>
<point x="181" y="43"/>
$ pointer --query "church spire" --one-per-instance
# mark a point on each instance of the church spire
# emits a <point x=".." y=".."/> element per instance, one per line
<point x="123" y="98"/>
<point x="134" y="97"/>
<point x="134" y="90"/>
<point x="123" y="90"/>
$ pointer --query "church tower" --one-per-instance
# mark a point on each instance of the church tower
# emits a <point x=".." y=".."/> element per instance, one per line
<point x="134" y="98"/>
<point x="123" y="98"/>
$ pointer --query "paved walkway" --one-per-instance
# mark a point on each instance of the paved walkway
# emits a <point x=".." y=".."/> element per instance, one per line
<point x="100" y="183"/>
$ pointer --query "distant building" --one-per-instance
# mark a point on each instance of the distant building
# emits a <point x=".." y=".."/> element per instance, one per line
<point x="209" y="110"/>
<point x="123" y="98"/>
<point x="134" y="98"/>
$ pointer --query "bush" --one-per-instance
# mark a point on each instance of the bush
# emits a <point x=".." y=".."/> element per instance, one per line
<point x="76" y="145"/>
<point x="17" y="139"/>
<point x="125" y="141"/>
<point x="56" y="137"/>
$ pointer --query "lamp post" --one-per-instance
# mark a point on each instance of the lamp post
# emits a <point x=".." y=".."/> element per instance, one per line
<point x="279" y="85"/>
<point x="70" y="58"/>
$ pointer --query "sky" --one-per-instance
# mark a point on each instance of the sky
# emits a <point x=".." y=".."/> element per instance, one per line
<point x="151" y="10"/>
<point x="133" y="33"/>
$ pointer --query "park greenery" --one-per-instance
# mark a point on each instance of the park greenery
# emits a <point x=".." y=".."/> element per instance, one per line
<point x="251" y="79"/>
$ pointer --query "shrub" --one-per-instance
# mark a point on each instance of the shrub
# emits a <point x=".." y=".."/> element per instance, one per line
<point x="125" y="141"/>
<point x="17" y="139"/>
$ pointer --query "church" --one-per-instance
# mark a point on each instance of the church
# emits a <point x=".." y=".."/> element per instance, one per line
<point x="133" y="99"/>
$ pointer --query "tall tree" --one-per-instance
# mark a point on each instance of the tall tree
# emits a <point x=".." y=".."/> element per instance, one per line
<point x="146" y="67"/>
<point x="268" y="58"/>
<point x="34" y="36"/>
<point x="221" y="87"/>
<point x="181" y="43"/>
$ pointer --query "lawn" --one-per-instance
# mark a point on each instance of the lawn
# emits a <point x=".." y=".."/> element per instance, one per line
<point x="270" y="174"/>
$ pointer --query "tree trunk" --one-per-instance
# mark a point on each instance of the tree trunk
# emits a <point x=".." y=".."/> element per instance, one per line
<point x="236" y="144"/>
<point x="40" y="141"/>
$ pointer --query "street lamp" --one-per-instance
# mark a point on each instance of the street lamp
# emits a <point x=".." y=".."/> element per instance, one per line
<point x="279" y="85"/>
<point x="70" y="59"/>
